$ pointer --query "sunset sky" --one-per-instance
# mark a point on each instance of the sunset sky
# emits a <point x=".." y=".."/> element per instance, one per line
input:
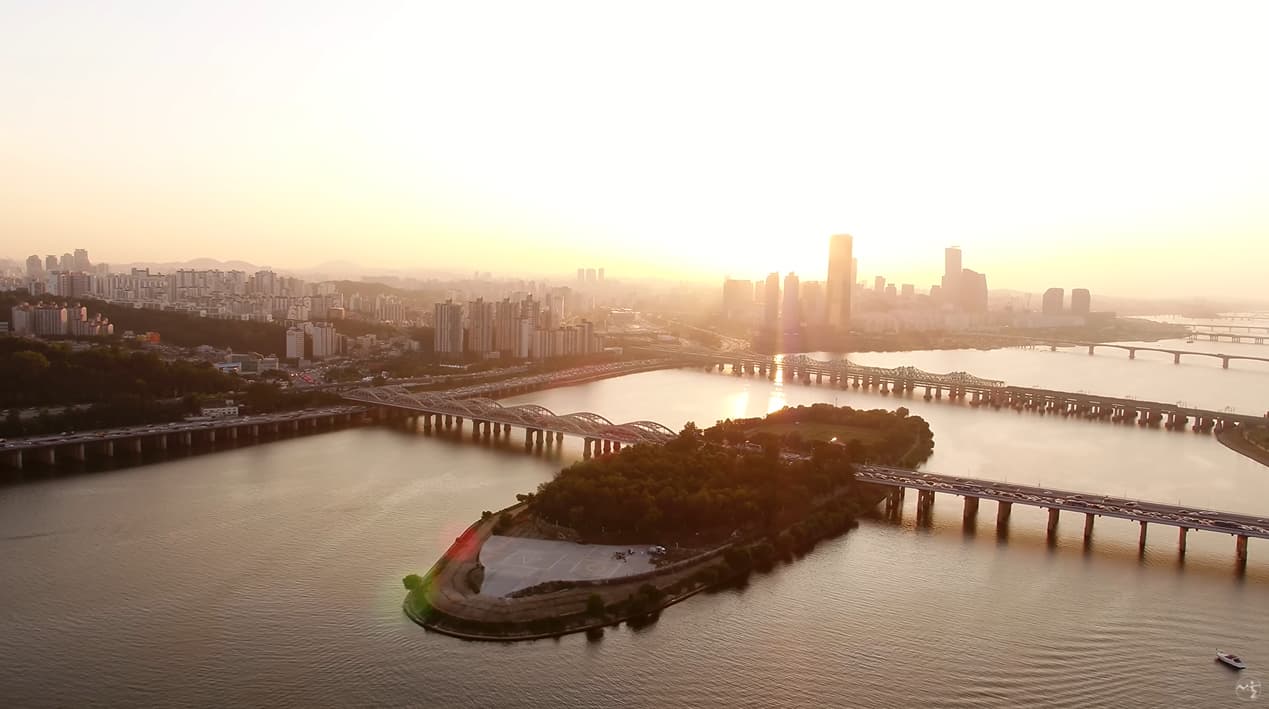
<point x="1118" y="146"/>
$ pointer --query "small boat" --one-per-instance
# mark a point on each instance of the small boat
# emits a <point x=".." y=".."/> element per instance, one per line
<point x="1231" y="659"/>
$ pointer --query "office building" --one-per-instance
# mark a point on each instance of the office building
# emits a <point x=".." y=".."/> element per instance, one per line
<point x="1052" y="303"/>
<point x="908" y="291"/>
<point x="879" y="284"/>
<point x="34" y="267"/>
<point x="50" y="263"/>
<point x="1081" y="301"/>
<point x="842" y="268"/>
<point x="81" y="260"/>
<point x="792" y="308"/>
<point x="973" y="291"/>
<point x="771" y="302"/>
<point x="814" y="312"/>
<point x="952" y="272"/>
<point x="448" y="336"/>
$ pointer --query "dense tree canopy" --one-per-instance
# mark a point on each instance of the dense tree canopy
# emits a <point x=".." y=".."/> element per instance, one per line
<point x="687" y="491"/>
<point x="889" y="438"/>
<point x="38" y="374"/>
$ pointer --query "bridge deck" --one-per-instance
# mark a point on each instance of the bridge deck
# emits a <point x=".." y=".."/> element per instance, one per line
<point x="1136" y="510"/>
<point x="115" y="434"/>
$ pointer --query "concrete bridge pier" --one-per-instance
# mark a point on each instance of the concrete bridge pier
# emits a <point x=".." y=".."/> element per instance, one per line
<point x="134" y="444"/>
<point x="1225" y="360"/>
<point x="586" y="450"/>
<point x="77" y="452"/>
<point x="528" y="438"/>
<point x="1088" y="528"/>
<point x="1003" y="510"/>
<point x="540" y="436"/>
<point x="160" y="441"/>
<point x="1181" y="541"/>
<point x="108" y="449"/>
<point x="894" y="503"/>
<point x="925" y="507"/>
<point x="559" y="436"/>
<point x="1141" y="538"/>
<point x="969" y="518"/>
<point x="1050" y="532"/>
<point x="1132" y="353"/>
<point x="427" y="423"/>
<point x="1090" y="350"/>
<point x="50" y="455"/>
<point x="187" y="437"/>
<point x="1176" y="358"/>
<point x="819" y="377"/>
<point x="1240" y="551"/>
<point x="15" y="460"/>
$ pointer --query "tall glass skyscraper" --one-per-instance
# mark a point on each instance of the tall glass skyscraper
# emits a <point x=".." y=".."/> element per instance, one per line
<point x="840" y="280"/>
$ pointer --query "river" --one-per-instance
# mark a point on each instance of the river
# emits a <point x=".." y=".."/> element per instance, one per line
<point x="270" y="574"/>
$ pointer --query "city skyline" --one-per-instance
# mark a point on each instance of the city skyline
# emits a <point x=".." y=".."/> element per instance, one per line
<point x="193" y="150"/>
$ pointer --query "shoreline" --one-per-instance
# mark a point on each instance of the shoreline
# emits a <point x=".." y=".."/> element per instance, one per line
<point x="453" y="608"/>
<point x="1234" y="439"/>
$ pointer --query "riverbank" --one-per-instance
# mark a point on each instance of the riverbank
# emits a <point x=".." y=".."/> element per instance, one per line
<point x="449" y="601"/>
<point x="1235" y="438"/>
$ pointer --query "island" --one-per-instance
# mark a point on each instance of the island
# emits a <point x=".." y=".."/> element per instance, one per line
<point x="621" y="536"/>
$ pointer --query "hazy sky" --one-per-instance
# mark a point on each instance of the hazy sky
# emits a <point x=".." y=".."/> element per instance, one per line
<point x="1118" y="146"/>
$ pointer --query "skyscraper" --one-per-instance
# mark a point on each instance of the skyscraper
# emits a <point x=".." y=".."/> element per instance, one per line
<point x="1053" y="301"/>
<point x="879" y="284"/>
<point x="792" y="310"/>
<point x="1081" y="301"/>
<point x="973" y="291"/>
<point x="813" y="312"/>
<point x="771" y="302"/>
<point x="841" y="280"/>
<point x="34" y="267"/>
<point x="952" y="274"/>
<point x="81" y="260"/>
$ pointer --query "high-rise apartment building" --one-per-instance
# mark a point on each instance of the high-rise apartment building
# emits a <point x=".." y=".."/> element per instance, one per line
<point x="1053" y="302"/>
<point x="879" y="284"/>
<point x="1081" y="301"/>
<point x="50" y="320"/>
<point x="50" y="263"/>
<point x="813" y="311"/>
<point x="324" y="338"/>
<point x="34" y="267"/>
<point x="295" y="340"/>
<point x="842" y="267"/>
<point x="81" y="260"/>
<point x="792" y="309"/>
<point x="480" y="331"/>
<point x="771" y="303"/>
<point x="448" y="335"/>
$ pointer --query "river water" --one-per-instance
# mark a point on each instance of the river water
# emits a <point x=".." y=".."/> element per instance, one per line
<point x="270" y="575"/>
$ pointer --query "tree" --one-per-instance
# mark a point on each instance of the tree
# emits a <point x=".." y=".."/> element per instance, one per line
<point x="413" y="582"/>
<point x="594" y="605"/>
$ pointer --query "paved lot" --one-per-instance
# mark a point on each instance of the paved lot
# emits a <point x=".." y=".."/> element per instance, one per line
<point x="512" y="563"/>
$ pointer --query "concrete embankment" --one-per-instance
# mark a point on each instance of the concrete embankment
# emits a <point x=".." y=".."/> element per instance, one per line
<point x="1235" y="439"/>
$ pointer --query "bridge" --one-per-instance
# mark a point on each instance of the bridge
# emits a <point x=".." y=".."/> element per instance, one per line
<point x="1132" y="350"/>
<point x="1256" y="334"/>
<point x="80" y="446"/>
<point x="1145" y="513"/>
<point x="491" y="419"/>
<point x="977" y="391"/>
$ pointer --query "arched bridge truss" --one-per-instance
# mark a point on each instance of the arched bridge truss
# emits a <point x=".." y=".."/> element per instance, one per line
<point x="530" y="416"/>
